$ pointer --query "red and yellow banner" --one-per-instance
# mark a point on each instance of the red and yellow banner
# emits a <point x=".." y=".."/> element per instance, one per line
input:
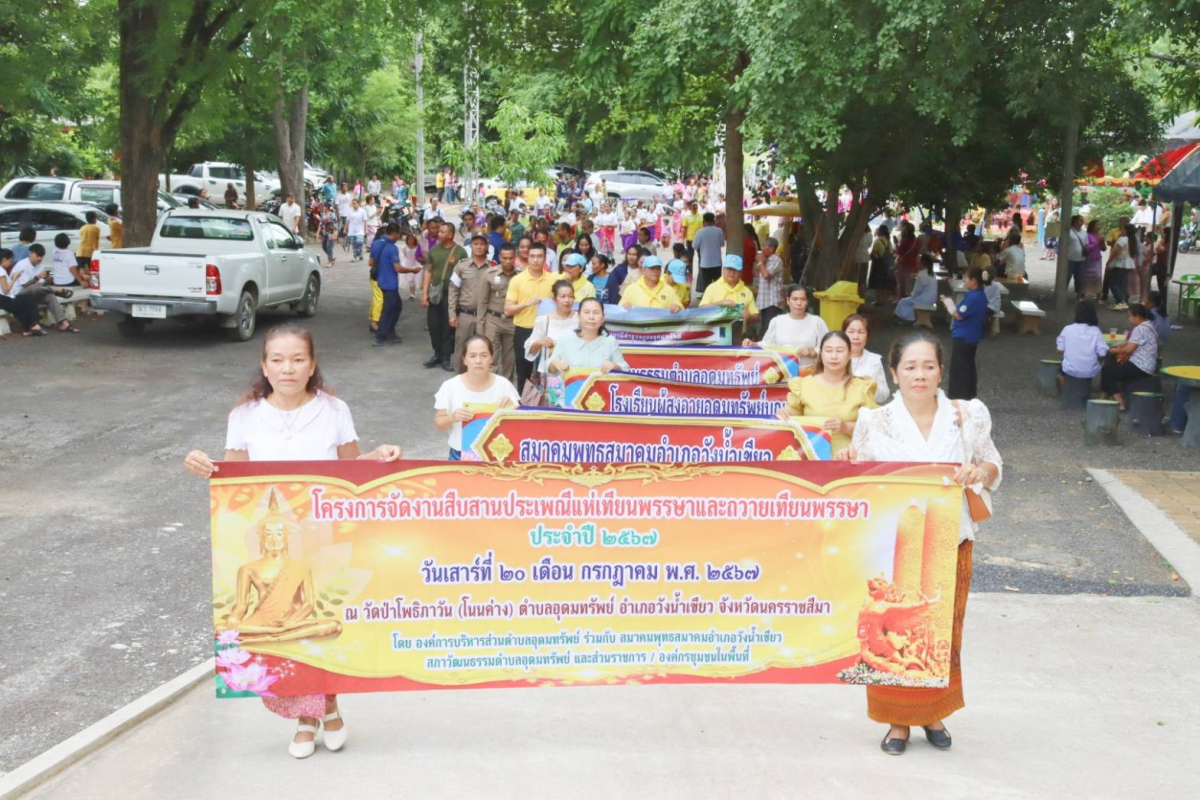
<point x="567" y="435"/>
<point x="631" y="393"/>
<point x="352" y="576"/>
<point x="712" y="365"/>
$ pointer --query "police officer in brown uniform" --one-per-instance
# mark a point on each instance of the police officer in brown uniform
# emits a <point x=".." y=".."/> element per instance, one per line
<point x="466" y="283"/>
<point x="498" y="328"/>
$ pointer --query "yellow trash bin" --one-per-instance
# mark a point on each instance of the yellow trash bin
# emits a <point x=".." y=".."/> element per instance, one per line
<point x="838" y="302"/>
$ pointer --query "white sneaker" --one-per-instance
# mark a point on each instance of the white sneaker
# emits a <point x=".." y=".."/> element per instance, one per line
<point x="334" y="740"/>
<point x="304" y="749"/>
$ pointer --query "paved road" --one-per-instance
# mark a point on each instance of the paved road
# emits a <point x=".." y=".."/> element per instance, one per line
<point x="1066" y="655"/>
<point x="104" y="581"/>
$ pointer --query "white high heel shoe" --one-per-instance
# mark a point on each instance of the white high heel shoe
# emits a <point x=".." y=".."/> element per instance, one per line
<point x="303" y="749"/>
<point x="334" y="740"/>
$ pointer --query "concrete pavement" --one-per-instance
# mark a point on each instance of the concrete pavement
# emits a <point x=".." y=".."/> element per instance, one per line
<point x="1067" y="697"/>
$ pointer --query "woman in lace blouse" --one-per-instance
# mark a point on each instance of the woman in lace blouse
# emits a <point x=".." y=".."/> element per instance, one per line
<point x="922" y="424"/>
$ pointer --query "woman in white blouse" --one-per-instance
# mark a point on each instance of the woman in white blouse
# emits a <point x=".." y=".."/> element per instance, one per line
<point x="290" y="415"/>
<point x="864" y="363"/>
<point x="796" y="329"/>
<point x="922" y="424"/>
<point x="477" y="386"/>
<point x="549" y="328"/>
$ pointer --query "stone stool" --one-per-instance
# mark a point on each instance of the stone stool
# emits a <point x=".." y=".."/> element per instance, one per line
<point x="1075" y="392"/>
<point x="1146" y="413"/>
<point x="1100" y="422"/>
<point x="1047" y="376"/>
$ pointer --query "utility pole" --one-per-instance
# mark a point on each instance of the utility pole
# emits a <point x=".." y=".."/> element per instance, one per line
<point x="471" y="101"/>
<point x="418" y="65"/>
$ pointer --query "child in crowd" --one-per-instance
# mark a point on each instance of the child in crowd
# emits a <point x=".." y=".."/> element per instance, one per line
<point x="116" y="228"/>
<point x="411" y="256"/>
<point x="89" y="243"/>
<point x="991" y="289"/>
<point x="64" y="269"/>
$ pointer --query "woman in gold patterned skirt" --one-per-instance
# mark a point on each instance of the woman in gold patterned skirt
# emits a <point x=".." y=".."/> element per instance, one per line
<point x="922" y="424"/>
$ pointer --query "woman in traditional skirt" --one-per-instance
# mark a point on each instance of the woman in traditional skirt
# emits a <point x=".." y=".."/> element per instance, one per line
<point x="922" y="424"/>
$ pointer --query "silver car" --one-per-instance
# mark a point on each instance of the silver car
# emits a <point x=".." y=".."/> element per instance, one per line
<point x="626" y="184"/>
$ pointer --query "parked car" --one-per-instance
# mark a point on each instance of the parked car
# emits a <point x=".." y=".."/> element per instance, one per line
<point x="216" y="176"/>
<point x="37" y="189"/>
<point x="221" y="264"/>
<point x="48" y="220"/>
<point x="494" y="188"/>
<point x="626" y="184"/>
<point x="101" y="193"/>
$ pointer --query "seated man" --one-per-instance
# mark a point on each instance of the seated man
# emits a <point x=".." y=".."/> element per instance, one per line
<point x="28" y="282"/>
<point x="36" y="278"/>
<point x="14" y="279"/>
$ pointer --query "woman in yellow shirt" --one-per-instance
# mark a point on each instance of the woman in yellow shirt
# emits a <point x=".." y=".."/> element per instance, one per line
<point x="833" y="392"/>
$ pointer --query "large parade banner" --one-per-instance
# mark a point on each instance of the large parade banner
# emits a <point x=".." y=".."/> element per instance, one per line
<point x="708" y="325"/>
<point x="568" y="435"/>
<point x="721" y="366"/>
<point x="356" y="576"/>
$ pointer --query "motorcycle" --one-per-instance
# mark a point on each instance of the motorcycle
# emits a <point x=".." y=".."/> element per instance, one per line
<point x="1189" y="239"/>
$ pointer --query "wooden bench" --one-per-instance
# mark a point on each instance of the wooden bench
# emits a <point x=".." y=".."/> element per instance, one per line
<point x="925" y="315"/>
<point x="1030" y="316"/>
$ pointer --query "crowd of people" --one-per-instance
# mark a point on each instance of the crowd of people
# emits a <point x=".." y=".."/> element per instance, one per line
<point x="487" y="275"/>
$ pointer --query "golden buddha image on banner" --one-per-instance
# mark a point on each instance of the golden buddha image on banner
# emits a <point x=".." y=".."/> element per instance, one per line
<point x="355" y="576"/>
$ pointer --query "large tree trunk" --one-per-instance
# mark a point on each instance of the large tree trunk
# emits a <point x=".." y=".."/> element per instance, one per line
<point x="141" y="127"/>
<point x="735" y="166"/>
<point x="852" y="233"/>
<point x="418" y="67"/>
<point x="734" y="184"/>
<point x="251" y="193"/>
<point x="290" y="118"/>
<point x="827" y="257"/>
<point x="1066" y="200"/>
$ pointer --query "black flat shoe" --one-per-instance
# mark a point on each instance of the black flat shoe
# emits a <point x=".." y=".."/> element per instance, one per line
<point x="939" y="739"/>
<point x="893" y="747"/>
<point x="430" y="363"/>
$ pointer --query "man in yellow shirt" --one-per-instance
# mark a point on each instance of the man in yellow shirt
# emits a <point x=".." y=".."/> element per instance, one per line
<point x="572" y="269"/>
<point x="650" y="291"/>
<point x="730" y="291"/>
<point x="525" y="291"/>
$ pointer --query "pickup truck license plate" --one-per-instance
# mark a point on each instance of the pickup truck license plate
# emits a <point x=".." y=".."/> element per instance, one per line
<point x="149" y="311"/>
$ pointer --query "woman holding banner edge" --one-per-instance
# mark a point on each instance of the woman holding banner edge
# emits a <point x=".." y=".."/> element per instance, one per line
<point x="589" y="346"/>
<point x="922" y="424"/>
<point x="289" y="414"/>
<point x="833" y="392"/>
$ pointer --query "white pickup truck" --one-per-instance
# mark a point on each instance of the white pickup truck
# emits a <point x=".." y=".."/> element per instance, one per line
<point x="216" y="177"/>
<point x="208" y="264"/>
